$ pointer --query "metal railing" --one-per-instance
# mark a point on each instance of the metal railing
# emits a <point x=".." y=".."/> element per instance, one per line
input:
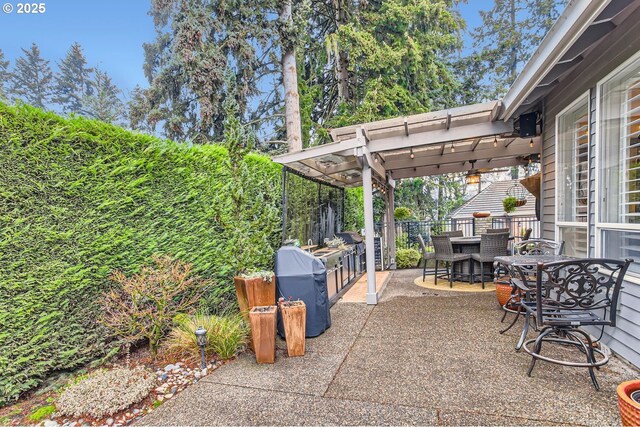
<point x="407" y="232"/>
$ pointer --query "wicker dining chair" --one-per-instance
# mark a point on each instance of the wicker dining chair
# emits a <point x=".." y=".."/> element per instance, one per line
<point x="454" y="233"/>
<point x="426" y="255"/>
<point x="491" y="246"/>
<point x="444" y="252"/>
<point x="498" y="230"/>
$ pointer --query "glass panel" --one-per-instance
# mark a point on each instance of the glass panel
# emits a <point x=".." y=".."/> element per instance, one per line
<point x="620" y="147"/>
<point x="621" y="244"/>
<point x="575" y="241"/>
<point x="573" y="163"/>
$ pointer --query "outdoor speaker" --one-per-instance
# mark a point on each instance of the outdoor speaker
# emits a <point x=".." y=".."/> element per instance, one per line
<point x="528" y="124"/>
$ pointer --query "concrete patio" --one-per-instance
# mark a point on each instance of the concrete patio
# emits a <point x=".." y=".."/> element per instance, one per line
<point x="418" y="357"/>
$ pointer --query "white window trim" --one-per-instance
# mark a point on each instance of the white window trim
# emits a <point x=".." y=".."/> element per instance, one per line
<point x="557" y="222"/>
<point x="600" y="226"/>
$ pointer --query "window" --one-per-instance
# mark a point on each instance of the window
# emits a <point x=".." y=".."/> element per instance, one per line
<point x="618" y="222"/>
<point x="572" y="176"/>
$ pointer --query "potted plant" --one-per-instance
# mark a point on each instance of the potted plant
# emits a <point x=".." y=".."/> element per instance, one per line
<point x="509" y="204"/>
<point x="255" y="289"/>
<point x="629" y="402"/>
<point x="263" y="332"/>
<point x="294" y="319"/>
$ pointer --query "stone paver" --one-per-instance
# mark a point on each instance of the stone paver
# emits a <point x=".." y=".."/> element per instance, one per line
<point x="418" y="357"/>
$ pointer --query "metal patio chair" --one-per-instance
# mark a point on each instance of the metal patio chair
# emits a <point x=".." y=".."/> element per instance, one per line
<point x="569" y="296"/>
<point x="491" y="246"/>
<point x="426" y="255"/>
<point x="538" y="247"/>
<point x="444" y="252"/>
<point x="526" y="277"/>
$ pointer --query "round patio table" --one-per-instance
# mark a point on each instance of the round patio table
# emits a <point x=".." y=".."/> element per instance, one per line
<point x="465" y="245"/>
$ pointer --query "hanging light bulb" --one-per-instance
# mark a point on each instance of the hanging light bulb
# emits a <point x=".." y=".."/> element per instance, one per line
<point x="413" y="156"/>
<point x="495" y="141"/>
<point x="531" y="143"/>
<point x="529" y="160"/>
<point x="375" y="158"/>
<point x="453" y="149"/>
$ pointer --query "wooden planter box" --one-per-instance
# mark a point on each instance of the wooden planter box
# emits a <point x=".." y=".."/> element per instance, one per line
<point x="263" y="332"/>
<point x="254" y="293"/>
<point x="294" y="319"/>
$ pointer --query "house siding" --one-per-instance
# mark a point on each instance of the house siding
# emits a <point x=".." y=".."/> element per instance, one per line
<point x="615" y="48"/>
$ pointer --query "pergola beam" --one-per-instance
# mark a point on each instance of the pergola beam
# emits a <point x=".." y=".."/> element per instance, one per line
<point x="514" y="150"/>
<point x="441" y="136"/>
<point x="456" y="167"/>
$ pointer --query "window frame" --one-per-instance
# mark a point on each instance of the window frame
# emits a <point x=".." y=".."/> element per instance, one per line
<point x="557" y="174"/>
<point x="601" y="226"/>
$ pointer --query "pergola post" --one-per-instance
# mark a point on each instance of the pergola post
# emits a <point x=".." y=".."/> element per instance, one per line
<point x="367" y="184"/>
<point x="391" y="227"/>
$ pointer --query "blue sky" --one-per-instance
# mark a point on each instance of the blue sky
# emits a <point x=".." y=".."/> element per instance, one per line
<point x="111" y="33"/>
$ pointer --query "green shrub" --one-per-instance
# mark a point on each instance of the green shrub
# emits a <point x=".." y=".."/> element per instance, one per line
<point x="226" y="336"/>
<point x="41" y="413"/>
<point x="80" y="199"/>
<point x="509" y="204"/>
<point x="407" y="258"/>
<point x="402" y="213"/>
<point x="143" y="306"/>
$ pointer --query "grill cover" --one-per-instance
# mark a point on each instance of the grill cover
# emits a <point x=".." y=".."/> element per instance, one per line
<point x="302" y="276"/>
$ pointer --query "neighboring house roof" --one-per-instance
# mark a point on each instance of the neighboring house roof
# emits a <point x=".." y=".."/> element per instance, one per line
<point x="490" y="199"/>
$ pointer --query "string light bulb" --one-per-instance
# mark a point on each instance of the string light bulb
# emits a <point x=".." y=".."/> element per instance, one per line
<point x="413" y="156"/>
<point x="531" y="143"/>
<point x="495" y="141"/>
<point x="453" y="149"/>
<point x="375" y="158"/>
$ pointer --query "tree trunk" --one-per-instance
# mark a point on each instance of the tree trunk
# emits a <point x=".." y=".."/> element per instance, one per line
<point x="342" y="60"/>
<point x="290" y="80"/>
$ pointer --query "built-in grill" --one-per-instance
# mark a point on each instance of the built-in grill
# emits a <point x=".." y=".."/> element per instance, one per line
<point x="342" y="266"/>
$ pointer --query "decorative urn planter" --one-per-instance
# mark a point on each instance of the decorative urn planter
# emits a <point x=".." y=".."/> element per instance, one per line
<point x="629" y="402"/>
<point x="503" y="292"/>
<point x="263" y="332"/>
<point x="481" y="214"/>
<point x="294" y="319"/>
<point x="253" y="290"/>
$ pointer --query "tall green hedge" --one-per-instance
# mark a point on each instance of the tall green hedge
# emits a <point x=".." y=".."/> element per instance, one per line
<point x="80" y="198"/>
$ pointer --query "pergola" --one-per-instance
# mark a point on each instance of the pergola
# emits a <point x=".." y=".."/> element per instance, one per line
<point x="376" y="154"/>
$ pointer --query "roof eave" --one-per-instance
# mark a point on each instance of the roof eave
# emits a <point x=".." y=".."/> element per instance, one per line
<point x="575" y="19"/>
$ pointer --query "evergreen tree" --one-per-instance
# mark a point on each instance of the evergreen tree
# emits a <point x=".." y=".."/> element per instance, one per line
<point x="365" y="61"/>
<point x="72" y="82"/>
<point x="5" y="75"/>
<point x="137" y="109"/>
<point x="196" y="42"/>
<point x="104" y="103"/>
<point x="31" y="78"/>
<point x="510" y="31"/>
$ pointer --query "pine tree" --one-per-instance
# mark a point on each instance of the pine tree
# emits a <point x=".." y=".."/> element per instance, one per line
<point x="197" y="41"/>
<point x="511" y="30"/>
<point x="31" y="79"/>
<point x="104" y="103"/>
<point x="5" y="75"/>
<point x="370" y="60"/>
<point x="72" y="82"/>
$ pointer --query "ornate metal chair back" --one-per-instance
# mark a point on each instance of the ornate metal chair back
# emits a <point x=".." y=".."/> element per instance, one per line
<point x="538" y="247"/>
<point x="581" y="285"/>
